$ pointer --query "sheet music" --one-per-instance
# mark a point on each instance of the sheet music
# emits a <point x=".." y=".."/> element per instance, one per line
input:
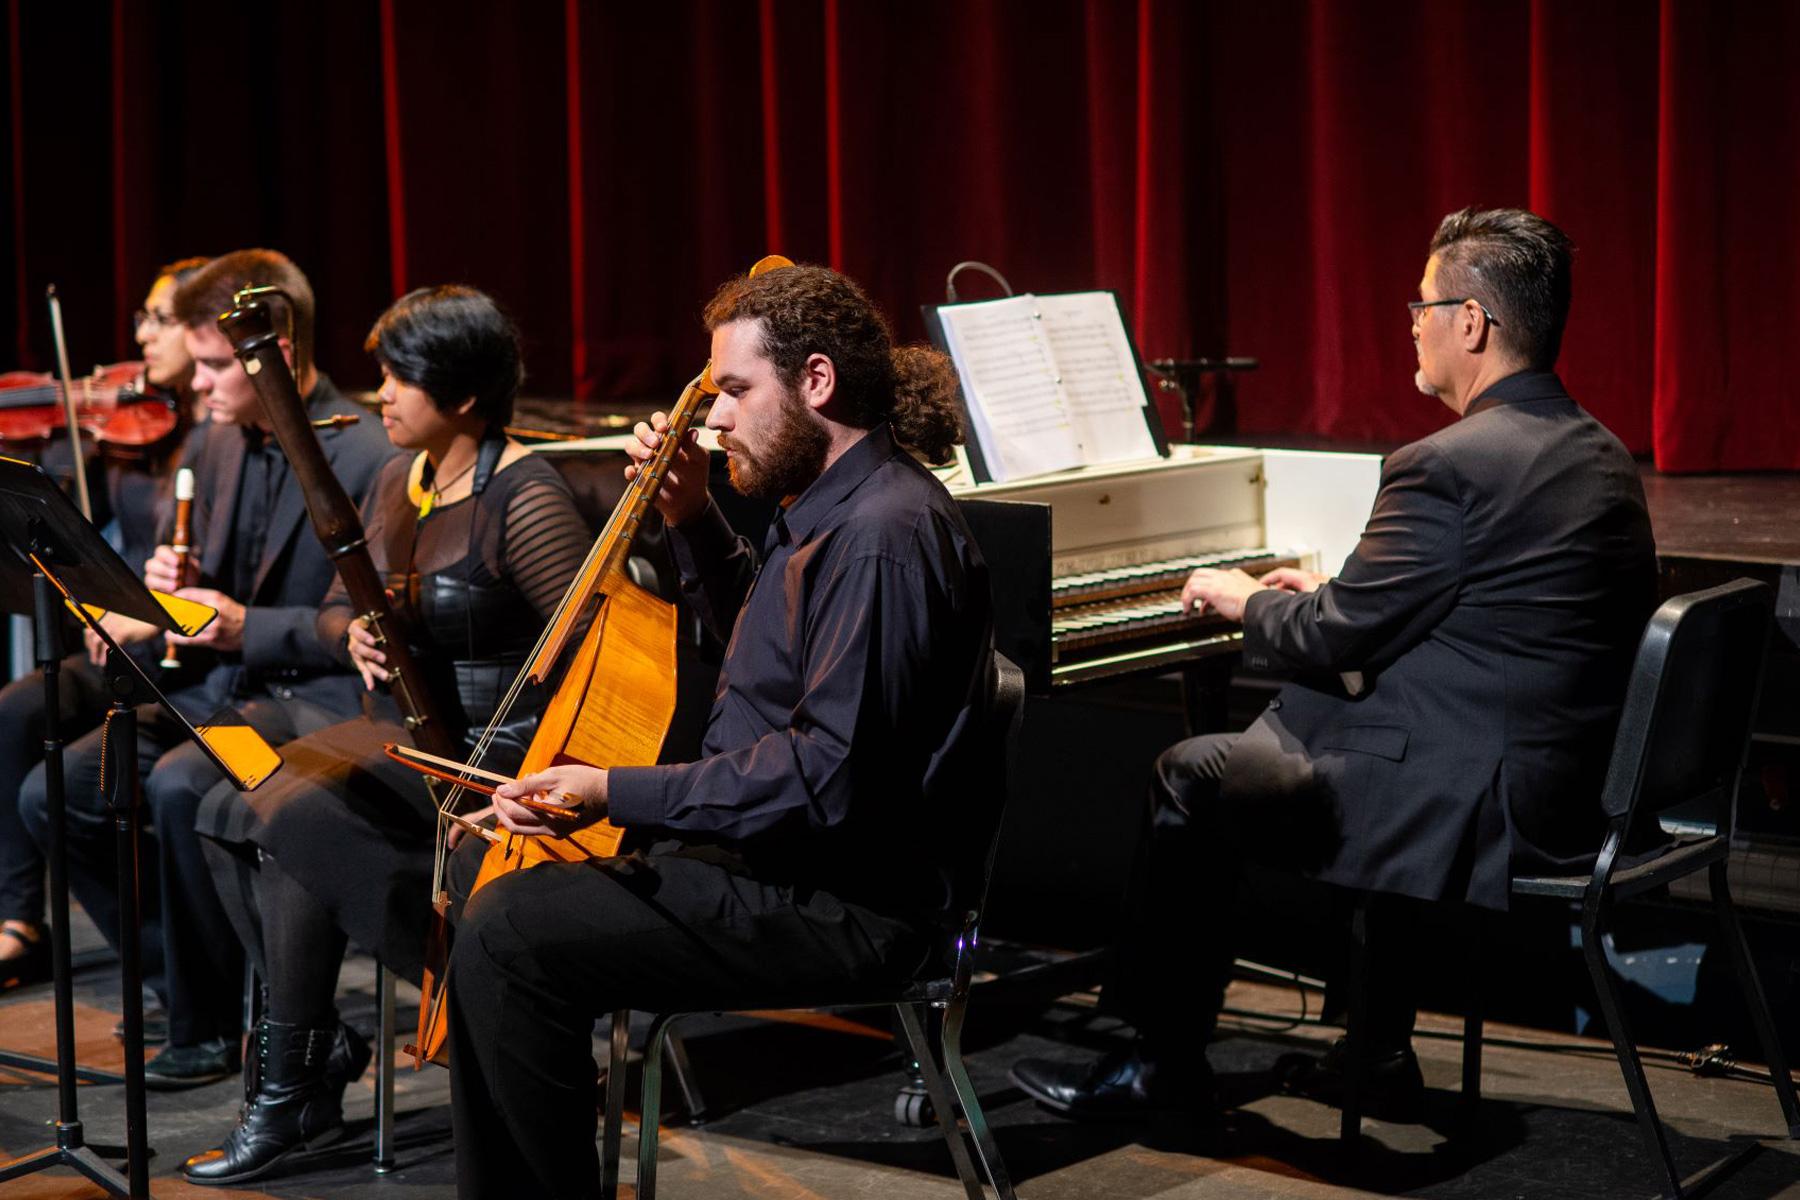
<point x="1016" y="401"/>
<point x="1051" y="381"/>
<point x="1099" y="375"/>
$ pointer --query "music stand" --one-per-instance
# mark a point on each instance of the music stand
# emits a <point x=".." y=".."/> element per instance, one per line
<point x="53" y="560"/>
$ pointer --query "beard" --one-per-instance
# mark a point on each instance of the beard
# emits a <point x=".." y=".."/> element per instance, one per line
<point x="1425" y="386"/>
<point x="792" y="459"/>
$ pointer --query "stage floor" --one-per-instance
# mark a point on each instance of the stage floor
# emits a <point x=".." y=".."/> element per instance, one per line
<point x="805" y="1111"/>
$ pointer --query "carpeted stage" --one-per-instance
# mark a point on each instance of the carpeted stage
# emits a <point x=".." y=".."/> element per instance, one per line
<point x="806" y="1111"/>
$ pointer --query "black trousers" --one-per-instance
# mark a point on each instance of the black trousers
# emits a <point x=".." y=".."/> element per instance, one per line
<point x="191" y="954"/>
<point x="82" y="699"/>
<point x="540" y="954"/>
<point x="1203" y="852"/>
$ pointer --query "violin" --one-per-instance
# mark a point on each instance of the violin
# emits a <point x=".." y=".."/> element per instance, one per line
<point x="112" y="406"/>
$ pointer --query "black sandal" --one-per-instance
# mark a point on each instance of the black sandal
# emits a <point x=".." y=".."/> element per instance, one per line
<point x="33" y="966"/>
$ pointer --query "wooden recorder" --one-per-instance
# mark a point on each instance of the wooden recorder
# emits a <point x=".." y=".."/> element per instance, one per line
<point x="184" y="511"/>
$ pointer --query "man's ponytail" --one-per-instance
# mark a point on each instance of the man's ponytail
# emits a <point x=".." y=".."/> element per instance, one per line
<point x="926" y="416"/>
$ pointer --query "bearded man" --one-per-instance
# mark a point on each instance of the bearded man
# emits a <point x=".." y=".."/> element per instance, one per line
<point x="779" y="865"/>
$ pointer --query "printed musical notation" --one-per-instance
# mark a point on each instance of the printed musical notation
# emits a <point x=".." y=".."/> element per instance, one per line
<point x="1051" y="382"/>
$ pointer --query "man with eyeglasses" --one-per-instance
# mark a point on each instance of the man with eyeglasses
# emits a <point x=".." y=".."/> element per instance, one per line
<point x="254" y="560"/>
<point x="1452" y="697"/>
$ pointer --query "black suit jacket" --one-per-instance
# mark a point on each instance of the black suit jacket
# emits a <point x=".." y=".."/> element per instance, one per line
<point x="1491" y="609"/>
<point x="281" y="652"/>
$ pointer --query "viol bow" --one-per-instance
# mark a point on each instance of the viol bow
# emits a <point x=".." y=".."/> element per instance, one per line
<point x="614" y="702"/>
<point x="334" y="517"/>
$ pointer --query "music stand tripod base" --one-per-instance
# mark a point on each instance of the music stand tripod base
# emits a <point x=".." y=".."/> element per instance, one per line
<point x="70" y="1149"/>
<point x="71" y="568"/>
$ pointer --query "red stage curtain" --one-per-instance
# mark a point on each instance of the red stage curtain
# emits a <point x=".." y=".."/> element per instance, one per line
<point x="1253" y="179"/>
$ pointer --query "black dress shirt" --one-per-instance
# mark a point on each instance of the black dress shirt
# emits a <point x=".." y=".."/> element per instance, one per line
<point x="265" y="472"/>
<point x="843" y="750"/>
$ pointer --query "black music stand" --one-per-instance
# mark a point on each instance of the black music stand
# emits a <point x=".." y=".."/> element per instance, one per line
<point x="53" y="560"/>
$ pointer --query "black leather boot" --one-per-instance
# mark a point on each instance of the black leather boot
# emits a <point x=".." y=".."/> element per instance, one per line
<point x="296" y="1106"/>
<point x="349" y="1058"/>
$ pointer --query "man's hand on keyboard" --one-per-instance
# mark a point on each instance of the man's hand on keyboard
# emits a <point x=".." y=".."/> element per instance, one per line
<point x="1293" y="579"/>
<point x="1224" y="592"/>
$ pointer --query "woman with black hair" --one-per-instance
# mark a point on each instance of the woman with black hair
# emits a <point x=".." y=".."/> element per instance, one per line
<point x="478" y="540"/>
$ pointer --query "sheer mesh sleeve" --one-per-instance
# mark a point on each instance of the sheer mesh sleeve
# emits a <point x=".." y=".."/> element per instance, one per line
<point x="335" y="609"/>
<point x="546" y="541"/>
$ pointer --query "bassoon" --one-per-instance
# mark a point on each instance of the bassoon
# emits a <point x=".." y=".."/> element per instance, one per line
<point x="251" y="332"/>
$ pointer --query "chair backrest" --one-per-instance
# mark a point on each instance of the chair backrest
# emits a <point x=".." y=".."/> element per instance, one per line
<point x="1000" y="726"/>
<point x="1006" y="708"/>
<point x="1685" y="725"/>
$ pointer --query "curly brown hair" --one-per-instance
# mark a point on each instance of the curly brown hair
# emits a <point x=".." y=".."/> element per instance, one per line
<point x="806" y="310"/>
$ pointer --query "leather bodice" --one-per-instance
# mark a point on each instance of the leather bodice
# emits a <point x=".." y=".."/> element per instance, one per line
<point x="477" y="638"/>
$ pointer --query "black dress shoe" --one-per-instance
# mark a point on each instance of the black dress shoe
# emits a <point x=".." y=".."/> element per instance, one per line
<point x="179" y="1067"/>
<point x="31" y="965"/>
<point x="1393" y="1087"/>
<point x="1121" y="1085"/>
<point x="156" y="1028"/>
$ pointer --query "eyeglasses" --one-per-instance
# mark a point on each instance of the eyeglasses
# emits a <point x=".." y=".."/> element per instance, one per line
<point x="152" y="318"/>
<point x="1417" y="306"/>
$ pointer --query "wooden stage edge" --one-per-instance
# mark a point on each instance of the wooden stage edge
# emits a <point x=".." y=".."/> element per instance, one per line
<point x="1749" y="518"/>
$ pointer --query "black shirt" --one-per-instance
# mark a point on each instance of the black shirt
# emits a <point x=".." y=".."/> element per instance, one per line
<point x="843" y="747"/>
<point x="264" y="474"/>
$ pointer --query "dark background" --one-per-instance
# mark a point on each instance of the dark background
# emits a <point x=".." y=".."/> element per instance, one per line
<point x="1259" y="179"/>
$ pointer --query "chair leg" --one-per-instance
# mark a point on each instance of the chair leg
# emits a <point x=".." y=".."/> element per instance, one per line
<point x="966" y="1095"/>
<point x="650" y="1108"/>
<point x="692" y="1102"/>
<point x="384" y="1071"/>
<point x="943" y="1106"/>
<point x="1474" y="1016"/>
<point x="1356" y="1033"/>
<point x="252" y="995"/>
<point x="1593" y="949"/>
<point x="253" y="1014"/>
<point x="615" y="1104"/>
<point x="1754" y="998"/>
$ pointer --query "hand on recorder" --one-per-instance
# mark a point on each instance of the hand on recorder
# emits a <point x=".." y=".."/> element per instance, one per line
<point x="563" y="785"/>
<point x="226" y="631"/>
<point x="683" y="494"/>
<point x="122" y="629"/>
<point x="168" y="571"/>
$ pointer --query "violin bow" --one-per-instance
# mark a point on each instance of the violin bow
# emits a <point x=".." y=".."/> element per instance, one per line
<point x="68" y="400"/>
